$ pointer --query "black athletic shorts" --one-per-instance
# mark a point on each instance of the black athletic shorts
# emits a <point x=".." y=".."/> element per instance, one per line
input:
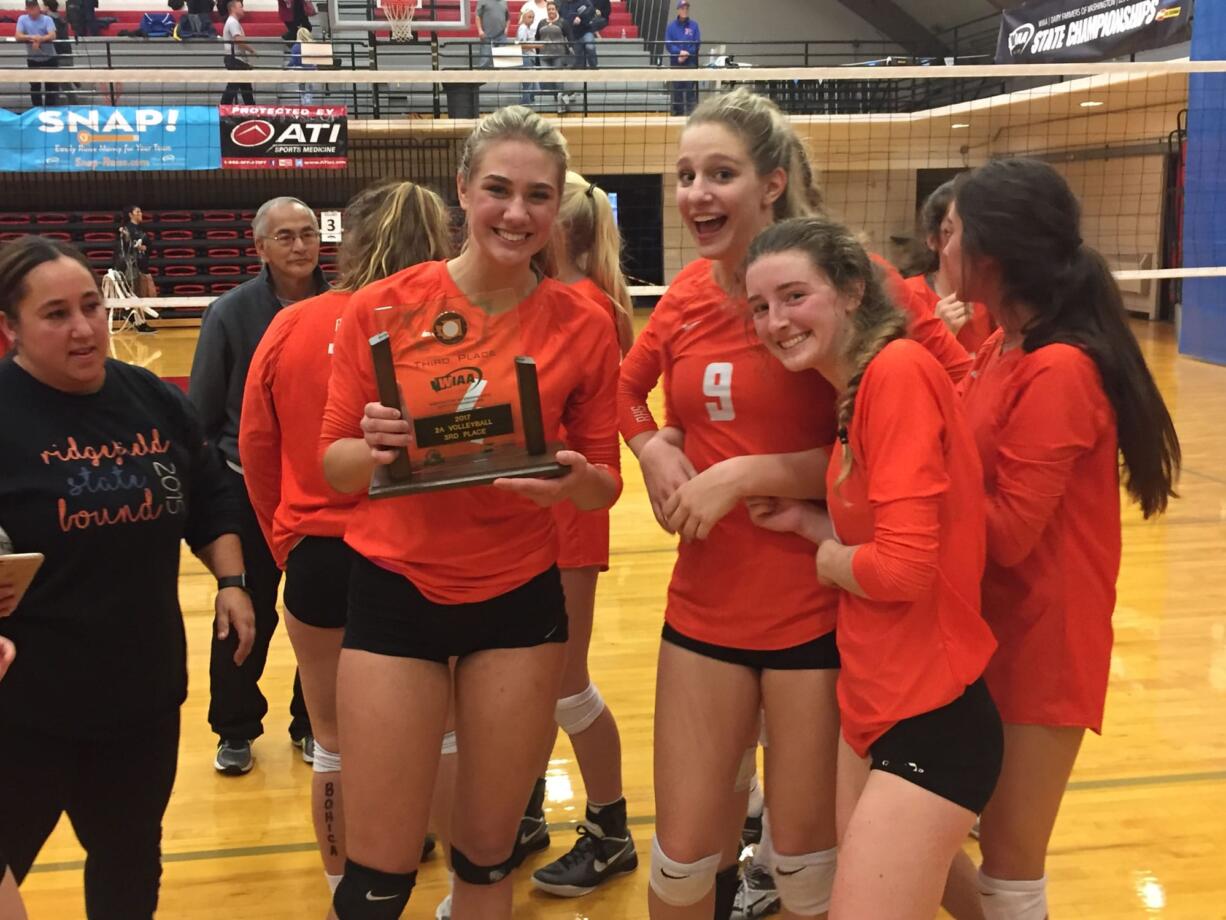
<point x="820" y="654"/>
<point x="317" y="581"/>
<point x="954" y="752"/>
<point x="389" y="616"/>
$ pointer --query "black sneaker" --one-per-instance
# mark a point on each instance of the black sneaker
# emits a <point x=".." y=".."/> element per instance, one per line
<point x="595" y="858"/>
<point x="233" y="758"/>
<point x="146" y="329"/>
<point x="756" y="897"/>
<point x="533" y="828"/>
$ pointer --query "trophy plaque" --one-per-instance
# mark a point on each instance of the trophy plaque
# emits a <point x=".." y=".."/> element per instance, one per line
<point x="470" y="395"/>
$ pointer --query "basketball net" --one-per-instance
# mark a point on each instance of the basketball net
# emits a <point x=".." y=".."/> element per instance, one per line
<point x="399" y="15"/>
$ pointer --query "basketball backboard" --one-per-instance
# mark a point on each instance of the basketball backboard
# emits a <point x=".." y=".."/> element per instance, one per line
<point x="429" y="16"/>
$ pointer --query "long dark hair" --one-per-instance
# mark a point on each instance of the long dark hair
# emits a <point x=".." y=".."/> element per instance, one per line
<point x="932" y="215"/>
<point x="876" y="322"/>
<point x="1022" y="214"/>
<point x="22" y="256"/>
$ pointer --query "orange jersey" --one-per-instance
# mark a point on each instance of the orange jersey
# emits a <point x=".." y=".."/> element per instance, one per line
<point x="913" y="504"/>
<point x="588" y="288"/>
<point x="743" y="586"/>
<point x="972" y="335"/>
<point x="925" y="326"/>
<point x="584" y="535"/>
<point x="1048" y="441"/>
<point x="283" y="404"/>
<point x="471" y="544"/>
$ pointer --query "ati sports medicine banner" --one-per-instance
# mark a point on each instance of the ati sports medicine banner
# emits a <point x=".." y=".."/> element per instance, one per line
<point x="1072" y="31"/>
<point x="284" y="136"/>
<point x="106" y="138"/>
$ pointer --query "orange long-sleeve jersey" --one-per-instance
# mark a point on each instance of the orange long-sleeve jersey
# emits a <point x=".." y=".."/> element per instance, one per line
<point x="976" y="330"/>
<point x="471" y="544"/>
<point x="743" y="586"/>
<point x="283" y="404"/>
<point x="1048" y="441"/>
<point x="913" y="504"/>
<point x="925" y="326"/>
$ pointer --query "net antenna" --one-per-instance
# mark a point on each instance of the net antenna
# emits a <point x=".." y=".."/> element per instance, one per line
<point x="401" y="17"/>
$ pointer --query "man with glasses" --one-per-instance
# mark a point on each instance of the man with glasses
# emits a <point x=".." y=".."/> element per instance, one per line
<point x="287" y="242"/>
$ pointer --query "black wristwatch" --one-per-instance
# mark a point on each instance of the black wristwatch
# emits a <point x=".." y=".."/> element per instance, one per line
<point x="233" y="581"/>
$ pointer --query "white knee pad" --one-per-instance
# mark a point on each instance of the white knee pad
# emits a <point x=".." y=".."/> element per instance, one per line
<point x="681" y="884"/>
<point x="325" y="761"/>
<point x="575" y="714"/>
<point x="805" y="882"/>
<point x="449" y="745"/>
<point x="1013" y="900"/>
<point x="747" y="771"/>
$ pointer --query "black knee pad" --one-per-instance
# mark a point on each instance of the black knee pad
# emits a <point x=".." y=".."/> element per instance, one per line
<point x="368" y="894"/>
<point x="468" y="871"/>
<point x="726" y="883"/>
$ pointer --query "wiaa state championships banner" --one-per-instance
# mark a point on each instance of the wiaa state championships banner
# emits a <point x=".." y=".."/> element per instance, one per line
<point x="1055" y="31"/>
<point x="83" y="138"/>
<point x="284" y="136"/>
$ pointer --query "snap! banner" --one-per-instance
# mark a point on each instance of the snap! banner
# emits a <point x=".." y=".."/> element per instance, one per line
<point x="109" y="138"/>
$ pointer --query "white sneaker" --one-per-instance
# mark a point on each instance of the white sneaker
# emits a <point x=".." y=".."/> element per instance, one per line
<point x="443" y="911"/>
<point x="756" y="897"/>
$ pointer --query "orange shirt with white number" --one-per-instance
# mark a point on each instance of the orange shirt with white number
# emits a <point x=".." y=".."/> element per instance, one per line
<point x="741" y="587"/>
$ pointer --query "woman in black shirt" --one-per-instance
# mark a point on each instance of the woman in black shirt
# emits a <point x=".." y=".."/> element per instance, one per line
<point x="103" y="470"/>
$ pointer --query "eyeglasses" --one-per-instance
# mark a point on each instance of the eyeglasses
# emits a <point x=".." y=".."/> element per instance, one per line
<point x="287" y="237"/>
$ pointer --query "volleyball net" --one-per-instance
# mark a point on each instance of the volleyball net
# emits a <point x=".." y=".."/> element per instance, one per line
<point x="199" y="148"/>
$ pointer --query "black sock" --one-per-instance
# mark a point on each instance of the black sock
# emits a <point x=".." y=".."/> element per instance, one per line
<point x="726" y="883"/>
<point x="611" y="818"/>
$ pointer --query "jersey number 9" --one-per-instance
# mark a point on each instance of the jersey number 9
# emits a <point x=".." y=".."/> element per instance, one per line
<point x="717" y="384"/>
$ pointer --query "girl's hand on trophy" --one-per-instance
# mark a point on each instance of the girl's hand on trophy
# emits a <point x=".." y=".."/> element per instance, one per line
<point x="385" y="432"/>
<point x="548" y="492"/>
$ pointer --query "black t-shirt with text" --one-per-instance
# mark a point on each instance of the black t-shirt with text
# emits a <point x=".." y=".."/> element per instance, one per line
<point x="105" y="485"/>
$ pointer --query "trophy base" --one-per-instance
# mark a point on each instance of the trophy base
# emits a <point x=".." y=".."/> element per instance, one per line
<point x="478" y="470"/>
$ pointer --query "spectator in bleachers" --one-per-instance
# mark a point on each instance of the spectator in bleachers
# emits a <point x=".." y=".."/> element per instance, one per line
<point x="296" y="14"/>
<point x="235" y="42"/>
<point x="287" y="240"/>
<point x="199" y="20"/>
<point x="553" y="55"/>
<point x="683" y="41"/>
<point x="540" y="13"/>
<point x="526" y="36"/>
<point x="577" y="16"/>
<point x="37" y="30"/>
<point x="82" y="17"/>
<point x="492" y="20"/>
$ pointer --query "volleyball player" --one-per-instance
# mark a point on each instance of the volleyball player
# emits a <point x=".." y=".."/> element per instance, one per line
<point x="587" y="246"/>
<point x="468" y="573"/>
<point x="747" y="626"/>
<point x="921" y="739"/>
<point x="1060" y="392"/>
<point x="388" y="227"/>
<point x="970" y="322"/>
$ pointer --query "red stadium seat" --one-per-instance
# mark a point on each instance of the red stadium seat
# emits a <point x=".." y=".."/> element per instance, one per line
<point x="178" y="253"/>
<point x="188" y="290"/>
<point x="51" y="218"/>
<point x="221" y="234"/>
<point x="180" y="271"/>
<point x="175" y="235"/>
<point x="98" y="236"/>
<point x="224" y="270"/>
<point x="174" y="217"/>
<point x="16" y="219"/>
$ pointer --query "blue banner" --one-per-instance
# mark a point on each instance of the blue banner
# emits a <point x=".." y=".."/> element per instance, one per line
<point x="110" y="138"/>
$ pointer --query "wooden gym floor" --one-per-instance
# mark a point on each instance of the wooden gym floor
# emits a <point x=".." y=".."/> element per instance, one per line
<point x="1141" y="832"/>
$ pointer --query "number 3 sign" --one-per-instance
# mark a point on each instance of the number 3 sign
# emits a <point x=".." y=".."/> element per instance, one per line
<point x="330" y="226"/>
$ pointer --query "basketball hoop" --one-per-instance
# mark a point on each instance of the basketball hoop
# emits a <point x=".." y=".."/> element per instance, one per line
<point x="399" y="15"/>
